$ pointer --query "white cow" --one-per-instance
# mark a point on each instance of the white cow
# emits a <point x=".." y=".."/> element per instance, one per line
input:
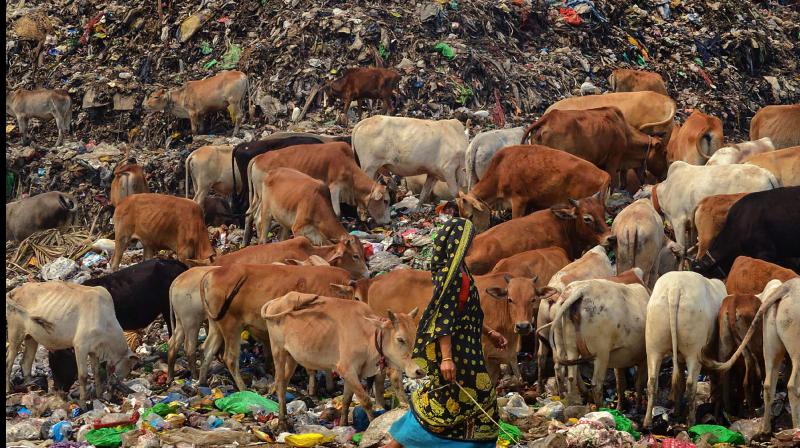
<point x="410" y="146"/>
<point x="738" y="152"/>
<point x="686" y="185"/>
<point x="483" y="146"/>
<point x="681" y="320"/>
<point x="780" y="309"/>
<point x="639" y="231"/>
<point x="60" y="315"/>
<point x="440" y="191"/>
<point x="609" y="329"/>
<point x="209" y="167"/>
<point x="593" y="264"/>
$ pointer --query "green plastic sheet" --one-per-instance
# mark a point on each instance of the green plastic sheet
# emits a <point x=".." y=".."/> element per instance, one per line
<point x="238" y="403"/>
<point x="624" y="424"/>
<point x="509" y="432"/>
<point x="231" y="57"/>
<point x="721" y="434"/>
<point x="161" y="409"/>
<point x="108" y="437"/>
<point x="446" y="50"/>
<point x="357" y="438"/>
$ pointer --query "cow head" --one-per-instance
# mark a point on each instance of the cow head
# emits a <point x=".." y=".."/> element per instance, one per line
<point x="124" y="365"/>
<point x="344" y="291"/>
<point x="521" y="297"/>
<point x="157" y="101"/>
<point x="399" y="333"/>
<point x="377" y="204"/>
<point x="348" y="254"/>
<point x="587" y="221"/>
<point x="472" y="208"/>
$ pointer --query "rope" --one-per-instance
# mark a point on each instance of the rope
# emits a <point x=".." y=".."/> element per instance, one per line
<point x="510" y="437"/>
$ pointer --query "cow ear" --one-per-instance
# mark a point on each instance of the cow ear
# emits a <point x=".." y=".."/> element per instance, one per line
<point x="480" y="205"/>
<point x="338" y="253"/>
<point x="345" y="291"/>
<point x="413" y="313"/>
<point x="546" y="292"/>
<point x="507" y="278"/>
<point x="497" y="293"/>
<point x="574" y="202"/>
<point x="291" y="261"/>
<point x="564" y="213"/>
<point x="316" y="260"/>
<point x="534" y="279"/>
<point x="392" y="317"/>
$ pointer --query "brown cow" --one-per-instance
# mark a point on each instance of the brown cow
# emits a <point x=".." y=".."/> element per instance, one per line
<point x="709" y="218"/>
<point x="601" y="136"/>
<point x="346" y="254"/>
<point x="626" y="80"/>
<point x="333" y="164"/>
<point x="531" y="178"/>
<point x="365" y="83"/>
<point x="751" y="275"/>
<point x="344" y="335"/>
<point x="128" y="179"/>
<point x="536" y="264"/>
<point x="779" y="123"/>
<point x="572" y="227"/>
<point x="223" y="91"/>
<point x="300" y="203"/>
<point x="234" y="295"/>
<point x="735" y="316"/>
<point x="42" y="104"/>
<point x="695" y="141"/>
<point x="161" y="221"/>
<point x="783" y="163"/>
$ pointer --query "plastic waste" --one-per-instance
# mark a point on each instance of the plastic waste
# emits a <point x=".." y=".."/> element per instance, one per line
<point x="59" y="269"/>
<point x="296" y="407"/>
<point x="720" y="434"/>
<point x="748" y="428"/>
<point x="622" y="423"/>
<point x="24" y="430"/>
<point x="516" y="406"/>
<point x="214" y="422"/>
<point x="60" y="431"/>
<point x="509" y="432"/>
<point x="445" y="50"/>
<point x="307" y="440"/>
<point x="237" y="403"/>
<point x="107" y="437"/>
<point x="154" y="422"/>
<point x="552" y="410"/>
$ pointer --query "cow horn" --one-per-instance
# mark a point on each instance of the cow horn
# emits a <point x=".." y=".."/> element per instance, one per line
<point x="507" y="278"/>
<point x="575" y="202"/>
<point x="392" y="317"/>
<point x="413" y="313"/>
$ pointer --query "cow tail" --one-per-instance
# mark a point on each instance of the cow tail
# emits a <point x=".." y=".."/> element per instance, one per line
<point x="472" y="175"/>
<point x="673" y="301"/>
<point x="171" y="309"/>
<point x="227" y="303"/>
<point x="772" y="299"/>
<point x="635" y="247"/>
<point x="558" y="326"/>
<point x="297" y="305"/>
<point x="647" y="127"/>
<point x="188" y="169"/>
<point x="528" y="130"/>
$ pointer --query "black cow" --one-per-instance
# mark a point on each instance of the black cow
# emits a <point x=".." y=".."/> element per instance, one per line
<point x="243" y="153"/>
<point x="140" y="293"/>
<point x="763" y="225"/>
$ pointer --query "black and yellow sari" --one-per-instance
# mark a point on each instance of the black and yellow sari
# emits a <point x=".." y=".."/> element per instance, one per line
<point x="441" y="407"/>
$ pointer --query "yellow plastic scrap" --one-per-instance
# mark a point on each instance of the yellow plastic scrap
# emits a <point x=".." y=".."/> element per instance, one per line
<point x="636" y="44"/>
<point x="191" y="25"/>
<point x="262" y="436"/>
<point x="308" y="440"/>
<point x="245" y="335"/>
<point x="9" y="128"/>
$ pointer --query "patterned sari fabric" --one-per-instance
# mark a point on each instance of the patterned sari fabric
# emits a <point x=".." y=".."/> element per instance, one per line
<point x="441" y="407"/>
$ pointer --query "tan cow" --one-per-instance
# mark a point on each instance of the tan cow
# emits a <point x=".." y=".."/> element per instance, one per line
<point x="161" y="222"/>
<point x="649" y="112"/>
<point x="233" y="296"/>
<point x="572" y="227"/>
<point x="695" y="141"/>
<point x="300" y="203"/>
<point x="626" y="80"/>
<point x="751" y="275"/>
<point x="129" y="179"/>
<point x="42" y="104"/>
<point x="209" y="168"/>
<point x="739" y="151"/>
<point x="779" y="123"/>
<point x="224" y="91"/>
<point x="709" y="218"/>
<point x="327" y="333"/>
<point x="639" y="233"/>
<point x="528" y="178"/>
<point x="783" y="163"/>
<point x="537" y="264"/>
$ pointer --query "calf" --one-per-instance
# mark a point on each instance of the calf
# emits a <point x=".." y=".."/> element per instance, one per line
<point x="161" y="222"/>
<point x="217" y="211"/>
<point x="484" y="146"/>
<point x="331" y="163"/>
<point x="207" y="166"/>
<point x="735" y="316"/>
<point x="48" y="210"/>
<point x="300" y="203"/>
<point x="233" y="296"/>
<point x="709" y="218"/>
<point x="572" y="227"/>
<point x="687" y="185"/>
<point x="60" y="315"/>
<point x="639" y="233"/>
<point x="696" y="141"/>
<point x="440" y="192"/>
<point x="608" y="327"/>
<point x="691" y="303"/>
<point x="346" y="336"/>
<point x="751" y="275"/>
<point x="783" y="163"/>
<point x="227" y="89"/>
<point x="600" y="136"/>
<point x="42" y="104"/>
<point x="780" y="309"/>
<point x="754" y="229"/>
<point x="538" y="264"/>
<point x="779" y="123"/>
<point x="531" y="178"/>
<point x="738" y="152"/>
<point x="365" y="83"/>
<point x="626" y="80"/>
<point x="410" y="146"/>
<point x="128" y="179"/>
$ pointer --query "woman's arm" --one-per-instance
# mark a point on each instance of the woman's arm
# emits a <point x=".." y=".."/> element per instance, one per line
<point x="498" y="339"/>
<point x="447" y="367"/>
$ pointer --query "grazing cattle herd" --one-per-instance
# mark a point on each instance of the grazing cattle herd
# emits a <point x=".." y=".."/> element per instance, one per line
<point x="617" y="292"/>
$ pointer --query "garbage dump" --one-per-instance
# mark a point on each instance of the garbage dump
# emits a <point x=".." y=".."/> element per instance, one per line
<point x="494" y="63"/>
